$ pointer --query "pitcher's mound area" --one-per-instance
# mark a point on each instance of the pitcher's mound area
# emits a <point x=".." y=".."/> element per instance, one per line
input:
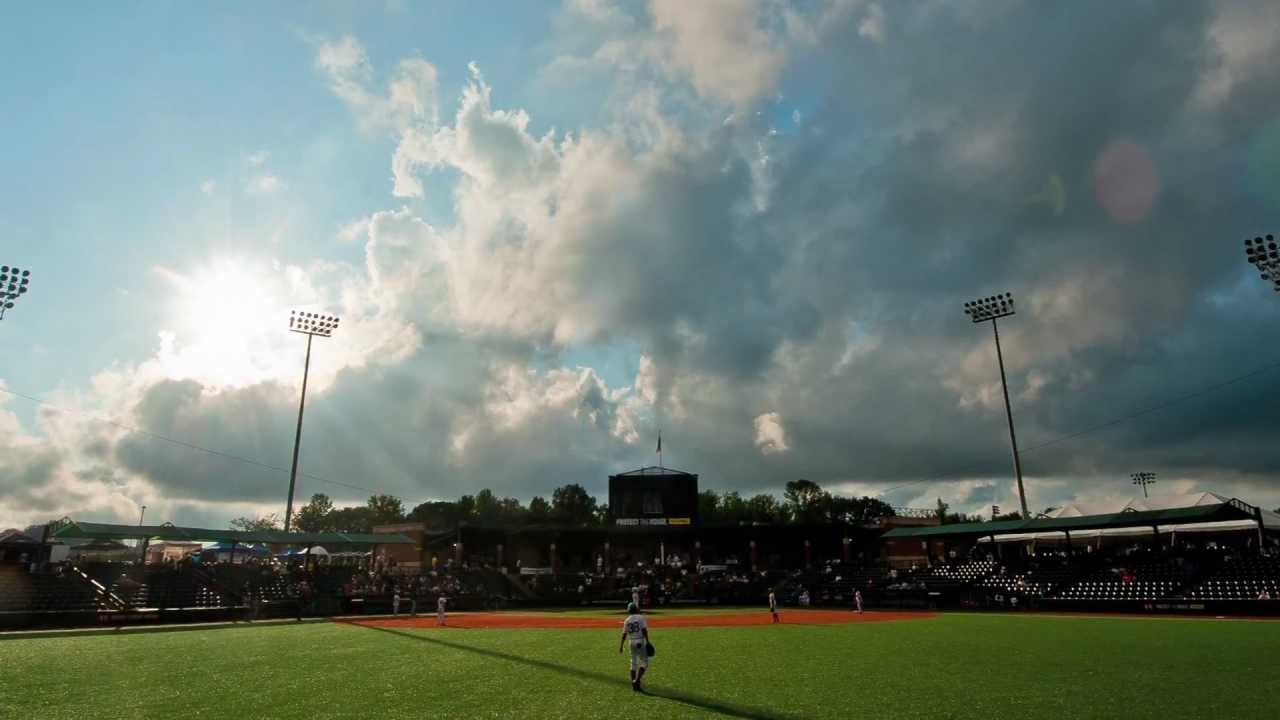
<point x="656" y="620"/>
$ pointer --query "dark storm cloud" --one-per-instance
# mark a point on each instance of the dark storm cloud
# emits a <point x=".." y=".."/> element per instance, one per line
<point x="377" y="429"/>
<point x="896" y="230"/>
<point x="28" y="480"/>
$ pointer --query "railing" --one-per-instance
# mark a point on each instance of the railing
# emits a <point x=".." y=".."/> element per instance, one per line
<point x="100" y="590"/>
<point x="1243" y="506"/>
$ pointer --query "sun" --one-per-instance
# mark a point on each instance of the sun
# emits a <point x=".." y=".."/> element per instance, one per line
<point x="229" y="327"/>
<point x="228" y="306"/>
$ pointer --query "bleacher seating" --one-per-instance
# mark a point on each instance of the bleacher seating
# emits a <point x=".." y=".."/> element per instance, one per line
<point x="1034" y="583"/>
<point x="1151" y="581"/>
<point x="21" y="591"/>
<point x="969" y="572"/>
<point x="167" y="588"/>
<point x="1242" y="579"/>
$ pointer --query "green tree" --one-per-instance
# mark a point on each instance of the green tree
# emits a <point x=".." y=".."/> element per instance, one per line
<point x="539" y="510"/>
<point x="357" y="519"/>
<point x="487" y="510"/>
<point x="733" y="508"/>
<point x="764" y="509"/>
<point x="805" y="501"/>
<point x="709" y="506"/>
<point x="511" y="512"/>
<point x="572" y="505"/>
<point x="436" y="514"/>
<point x="258" y="524"/>
<point x="604" y="518"/>
<point x="859" y="510"/>
<point x="467" y="509"/>
<point x="385" y="509"/>
<point x="942" y="512"/>
<point x="314" y="516"/>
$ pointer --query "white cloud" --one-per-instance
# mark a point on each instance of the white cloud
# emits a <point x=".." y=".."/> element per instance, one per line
<point x="872" y="24"/>
<point x="354" y="230"/>
<point x="264" y="185"/>
<point x="722" y="46"/>
<point x="771" y="435"/>
<point x="208" y="187"/>
<point x="729" y="51"/>
<point x="408" y="102"/>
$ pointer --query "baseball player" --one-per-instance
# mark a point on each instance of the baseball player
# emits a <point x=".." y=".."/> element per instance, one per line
<point x="440" y="605"/>
<point x="635" y="596"/>
<point x="636" y="631"/>
<point x="773" y="606"/>
<point x="395" y="603"/>
<point x="857" y="600"/>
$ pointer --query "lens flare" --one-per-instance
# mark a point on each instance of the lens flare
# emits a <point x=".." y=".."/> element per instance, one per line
<point x="1125" y="181"/>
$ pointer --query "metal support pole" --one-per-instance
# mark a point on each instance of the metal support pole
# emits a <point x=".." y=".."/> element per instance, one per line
<point x="1008" y="409"/>
<point x="297" y="438"/>
<point x="1257" y="516"/>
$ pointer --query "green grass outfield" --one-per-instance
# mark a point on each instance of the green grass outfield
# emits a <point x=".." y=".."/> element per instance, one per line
<point x="954" y="665"/>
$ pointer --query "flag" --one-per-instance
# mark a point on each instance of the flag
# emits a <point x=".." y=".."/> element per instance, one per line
<point x="659" y="441"/>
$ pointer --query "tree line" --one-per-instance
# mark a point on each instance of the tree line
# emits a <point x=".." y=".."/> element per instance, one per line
<point x="803" y="501"/>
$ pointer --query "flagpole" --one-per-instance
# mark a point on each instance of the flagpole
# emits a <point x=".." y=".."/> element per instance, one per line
<point x="660" y="467"/>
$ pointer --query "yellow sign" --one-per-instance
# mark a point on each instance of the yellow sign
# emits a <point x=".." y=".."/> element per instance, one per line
<point x="678" y="521"/>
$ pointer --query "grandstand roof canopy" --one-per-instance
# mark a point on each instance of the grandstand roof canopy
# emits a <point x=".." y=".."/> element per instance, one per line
<point x="1230" y="510"/>
<point x="75" y="529"/>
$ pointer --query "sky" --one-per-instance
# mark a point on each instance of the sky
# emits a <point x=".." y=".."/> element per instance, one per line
<point x="553" y="229"/>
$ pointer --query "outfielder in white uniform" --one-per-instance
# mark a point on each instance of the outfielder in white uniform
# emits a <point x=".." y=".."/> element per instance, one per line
<point x="635" y="631"/>
<point x="773" y="606"/>
<point x="635" y="596"/>
<point x="440" y="603"/>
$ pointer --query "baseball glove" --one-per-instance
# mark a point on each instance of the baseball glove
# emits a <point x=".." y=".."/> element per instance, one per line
<point x="649" y="650"/>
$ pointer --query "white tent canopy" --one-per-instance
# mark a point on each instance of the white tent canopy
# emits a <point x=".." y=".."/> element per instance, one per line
<point x="297" y="552"/>
<point x="1270" y="520"/>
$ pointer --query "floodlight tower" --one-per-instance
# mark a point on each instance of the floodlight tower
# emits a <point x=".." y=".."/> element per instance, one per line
<point x="1144" y="479"/>
<point x="309" y="324"/>
<point x="13" y="285"/>
<point x="1265" y="254"/>
<point x="993" y="308"/>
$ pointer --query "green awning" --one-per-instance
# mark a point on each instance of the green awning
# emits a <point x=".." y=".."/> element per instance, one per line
<point x="75" y="529"/>
<point x="1232" y="510"/>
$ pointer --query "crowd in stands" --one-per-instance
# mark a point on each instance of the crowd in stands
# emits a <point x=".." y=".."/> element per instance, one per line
<point x="982" y="576"/>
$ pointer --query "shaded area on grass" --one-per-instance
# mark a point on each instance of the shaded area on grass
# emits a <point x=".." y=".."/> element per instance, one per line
<point x="687" y="698"/>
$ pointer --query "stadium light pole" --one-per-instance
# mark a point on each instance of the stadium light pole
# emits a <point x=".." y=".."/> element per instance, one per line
<point x="14" y="282"/>
<point x="992" y="309"/>
<point x="309" y="324"/>
<point x="1144" y="479"/>
<point x="1264" y="254"/>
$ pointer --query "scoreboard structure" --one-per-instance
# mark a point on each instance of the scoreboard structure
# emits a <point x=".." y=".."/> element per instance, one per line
<point x="654" y="497"/>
